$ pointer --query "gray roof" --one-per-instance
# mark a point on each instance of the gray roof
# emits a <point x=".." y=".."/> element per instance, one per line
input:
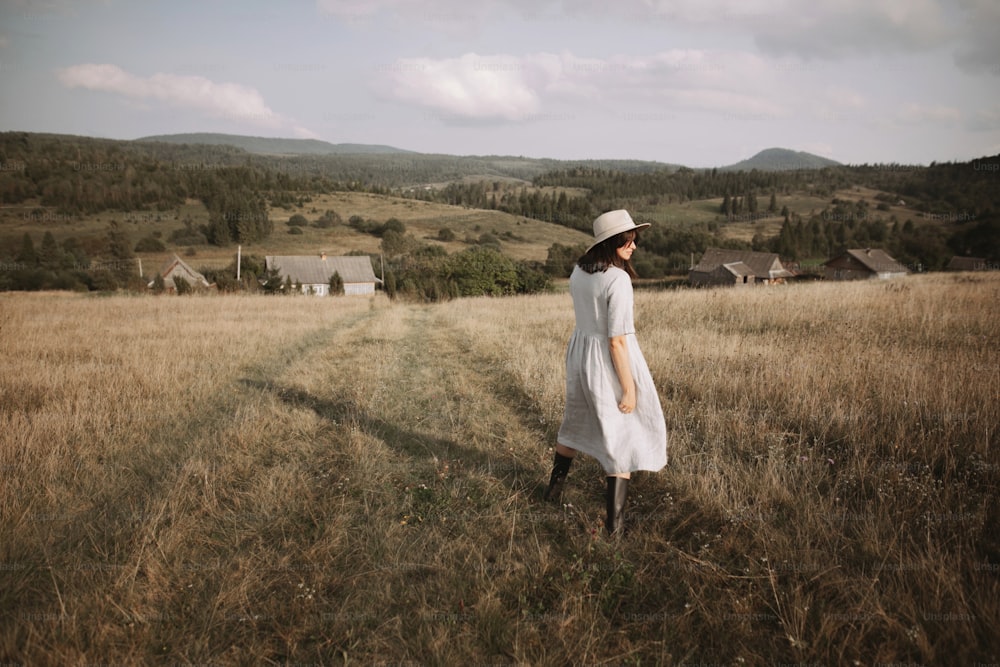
<point x="317" y="269"/>
<point x="959" y="263"/>
<point x="875" y="260"/>
<point x="738" y="269"/>
<point x="761" y="264"/>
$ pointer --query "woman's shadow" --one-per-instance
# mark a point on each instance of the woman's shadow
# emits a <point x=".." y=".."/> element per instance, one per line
<point x="405" y="441"/>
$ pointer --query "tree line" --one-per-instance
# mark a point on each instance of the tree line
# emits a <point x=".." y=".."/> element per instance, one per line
<point x="76" y="176"/>
<point x="956" y="206"/>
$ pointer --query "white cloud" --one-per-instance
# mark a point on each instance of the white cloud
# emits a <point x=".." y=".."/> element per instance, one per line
<point x="470" y="86"/>
<point x="512" y="88"/>
<point x="937" y="114"/>
<point x="979" y="50"/>
<point x="837" y="103"/>
<point x="836" y="29"/>
<point x="228" y="101"/>
<point x="804" y="28"/>
<point x="985" y="120"/>
<point x="352" y="8"/>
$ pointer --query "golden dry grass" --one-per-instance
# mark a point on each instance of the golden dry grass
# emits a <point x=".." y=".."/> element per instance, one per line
<point x="275" y="480"/>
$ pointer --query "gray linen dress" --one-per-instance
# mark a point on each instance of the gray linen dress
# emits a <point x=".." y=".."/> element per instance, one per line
<point x="592" y="422"/>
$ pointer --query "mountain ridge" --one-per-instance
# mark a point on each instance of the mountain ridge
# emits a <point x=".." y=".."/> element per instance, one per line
<point x="275" y="145"/>
<point x="769" y="159"/>
<point x="781" y="159"/>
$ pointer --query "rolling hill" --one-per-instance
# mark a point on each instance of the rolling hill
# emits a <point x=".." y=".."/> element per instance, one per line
<point x="781" y="159"/>
<point x="275" y="146"/>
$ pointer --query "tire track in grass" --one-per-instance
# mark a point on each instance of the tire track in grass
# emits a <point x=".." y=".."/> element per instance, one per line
<point x="441" y="462"/>
<point x="111" y="563"/>
<point x="428" y="399"/>
<point x="502" y="430"/>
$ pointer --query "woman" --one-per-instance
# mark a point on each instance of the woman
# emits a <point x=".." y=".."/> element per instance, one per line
<point x="612" y="410"/>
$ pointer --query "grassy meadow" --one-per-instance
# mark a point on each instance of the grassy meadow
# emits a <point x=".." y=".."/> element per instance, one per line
<point x="236" y="480"/>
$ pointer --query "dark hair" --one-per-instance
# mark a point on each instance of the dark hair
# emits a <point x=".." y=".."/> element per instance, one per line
<point x="604" y="254"/>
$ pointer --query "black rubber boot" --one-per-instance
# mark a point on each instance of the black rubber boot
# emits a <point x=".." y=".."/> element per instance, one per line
<point x="615" y="501"/>
<point x="560" y="468"/>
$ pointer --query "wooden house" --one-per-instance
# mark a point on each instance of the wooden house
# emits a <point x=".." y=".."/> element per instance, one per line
<point x="313" y="272"/>
<point x="969" y="264"/>
<point x="175" y="268"/>
<point x="719" y="266"/>
<point x="863" y="264"/>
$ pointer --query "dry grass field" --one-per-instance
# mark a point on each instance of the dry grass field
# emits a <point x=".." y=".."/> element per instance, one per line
<point x="289" y="480"/>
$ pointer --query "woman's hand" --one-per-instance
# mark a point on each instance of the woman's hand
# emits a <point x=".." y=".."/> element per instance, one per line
<point x="619" y="357"/>
<point x="627" y="404"/>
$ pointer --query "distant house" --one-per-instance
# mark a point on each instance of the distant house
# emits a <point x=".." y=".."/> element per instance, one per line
<point x="175" y="268"/>
<point x="969" y="264"/>
<point x="738" y="267"/>
<point x="863" y="264"/>
<point x="737" y="274"/>
<point x="313" y="272"/>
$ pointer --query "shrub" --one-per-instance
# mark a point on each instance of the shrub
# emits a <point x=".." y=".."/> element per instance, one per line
<point x="393" y="225"/>
<point x="149" y="244"/>
<point x="182" y="285"/>
<point x="480" y="271"/>
<point x="336" y="284"/>
<point x="328" y="220"/>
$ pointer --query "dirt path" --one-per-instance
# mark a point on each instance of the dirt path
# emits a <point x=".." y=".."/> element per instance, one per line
<point x="419" y="389"/>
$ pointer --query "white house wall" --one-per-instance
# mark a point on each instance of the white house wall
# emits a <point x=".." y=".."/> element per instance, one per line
<point x="359" y="289"/>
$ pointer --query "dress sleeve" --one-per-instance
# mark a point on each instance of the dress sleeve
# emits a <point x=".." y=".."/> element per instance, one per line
<point x="620" y="320"/>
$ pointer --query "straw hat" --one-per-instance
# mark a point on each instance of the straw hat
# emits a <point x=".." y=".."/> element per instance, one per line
<point x="613" y="222"/>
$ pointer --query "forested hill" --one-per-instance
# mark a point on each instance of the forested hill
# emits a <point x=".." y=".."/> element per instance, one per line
<point x="87" y="175"/>
<point x="44" y="165"/>
<point x="781" y="159"/>
<point x="950" y="208"/>
<point x="273" y="146"/>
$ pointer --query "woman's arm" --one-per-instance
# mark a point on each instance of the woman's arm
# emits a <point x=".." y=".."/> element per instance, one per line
<point x="619" y="357"/>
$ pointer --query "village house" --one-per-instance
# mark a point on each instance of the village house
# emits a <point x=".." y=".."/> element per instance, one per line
<point x="958" y="263"/>
<point x="738" y="268"/>
<point x="863" y="264"/>
<point x="175" y="268"/>
<point x="313" y="272"/>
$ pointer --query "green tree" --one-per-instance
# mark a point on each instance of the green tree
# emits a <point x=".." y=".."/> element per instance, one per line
<point x="395" y="244"/>
<point x="482" y="271"/>
<point x="393" y="225"/>
<point x="329" y="219"/>
<point x="562" y="258"/>
<point x="49" y="255"/>
<point x="786" y="241"/>
<point x="27" y="254"/>
<point x="182" y="286"/>
<point x="123" y="267"/>
<point x="336" y="284"/>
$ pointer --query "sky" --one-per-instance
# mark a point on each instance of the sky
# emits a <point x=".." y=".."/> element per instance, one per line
<point x="701" y="83"/>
